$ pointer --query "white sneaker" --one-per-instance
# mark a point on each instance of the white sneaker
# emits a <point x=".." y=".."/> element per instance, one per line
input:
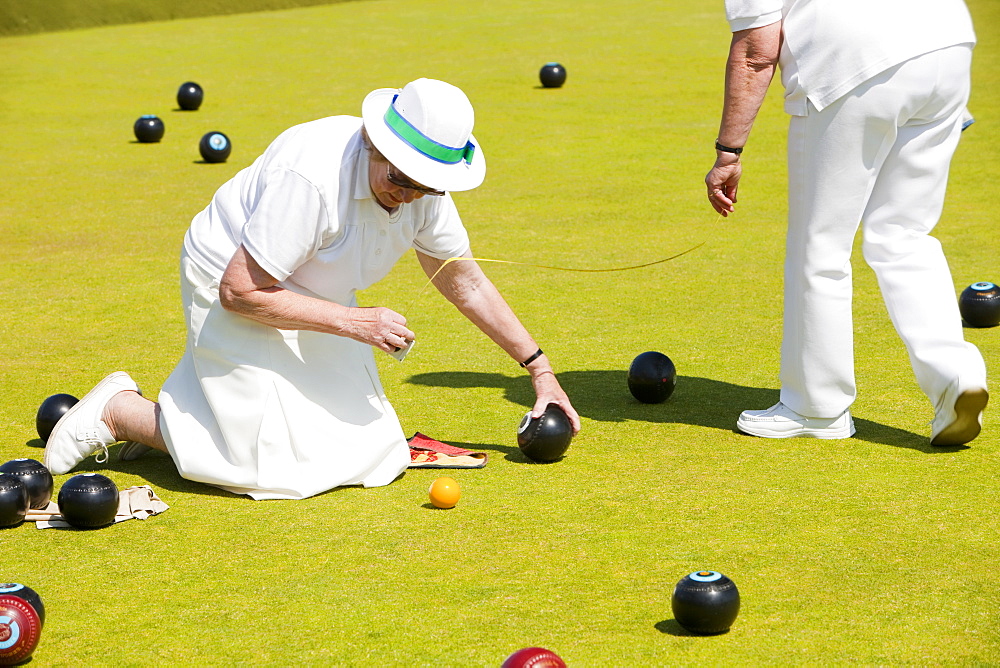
<point x="780" y="421"/>
<point x="959" y="419"/>
<point x="132" y="450"/>
<point x="81" y="432"/>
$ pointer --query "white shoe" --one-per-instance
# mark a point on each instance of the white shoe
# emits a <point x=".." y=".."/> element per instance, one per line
<point x="81" y="432"/>
<point x="780" y="421"/>
<point x="132" y="450"/>
<point x="959" y="417"/>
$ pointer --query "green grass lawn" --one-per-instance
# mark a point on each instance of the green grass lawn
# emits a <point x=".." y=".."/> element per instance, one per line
<point x="871" y="550"/>
<point x="23" y="17"/>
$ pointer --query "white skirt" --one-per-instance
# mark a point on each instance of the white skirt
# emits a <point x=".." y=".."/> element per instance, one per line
<point x="274" y="414"/>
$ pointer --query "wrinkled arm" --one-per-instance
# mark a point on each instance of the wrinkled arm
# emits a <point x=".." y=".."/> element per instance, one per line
<point x="753" y="57"/>
<point x="464" y="284"/>
<point x="247" y="289"/>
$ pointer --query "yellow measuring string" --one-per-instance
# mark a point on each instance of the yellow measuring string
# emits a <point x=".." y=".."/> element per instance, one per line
<point x="544" y="266"/>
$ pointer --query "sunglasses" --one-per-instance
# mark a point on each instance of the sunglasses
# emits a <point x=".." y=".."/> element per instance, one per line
<point x="403" y="182"/>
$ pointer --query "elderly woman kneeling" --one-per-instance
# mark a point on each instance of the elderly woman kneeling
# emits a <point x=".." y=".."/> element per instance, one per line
<point x="277" y="395"/>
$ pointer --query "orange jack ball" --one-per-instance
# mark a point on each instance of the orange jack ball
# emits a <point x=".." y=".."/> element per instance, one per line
<point x="445" y="492"/>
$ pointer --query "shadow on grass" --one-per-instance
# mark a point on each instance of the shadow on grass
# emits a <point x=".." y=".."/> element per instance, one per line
<point x="604" y="396"/>
<point x="672" y="628"/>
<point x="597" y="395"/>
<point x="157" y="468"/>
<point x="510" y="453"/>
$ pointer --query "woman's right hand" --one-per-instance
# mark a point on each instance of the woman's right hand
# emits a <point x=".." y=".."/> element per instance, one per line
<point x="246" y="289"/>
<point x="722" y="182"/>
<point x="377" y="326"/>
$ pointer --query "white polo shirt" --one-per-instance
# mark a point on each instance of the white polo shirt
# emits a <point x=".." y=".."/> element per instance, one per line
<point x="306" y="213"/>
<point x="831" y="46"/>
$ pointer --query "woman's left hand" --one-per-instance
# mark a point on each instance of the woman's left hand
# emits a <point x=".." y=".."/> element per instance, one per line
<point x="549" y="391"/>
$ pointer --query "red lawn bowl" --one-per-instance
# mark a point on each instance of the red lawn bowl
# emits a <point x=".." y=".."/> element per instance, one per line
<point x="20" y="629"/>
<point x="534" y="657"/>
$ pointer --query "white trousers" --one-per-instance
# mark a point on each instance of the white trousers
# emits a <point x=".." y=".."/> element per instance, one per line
<point x="879" y="156"/>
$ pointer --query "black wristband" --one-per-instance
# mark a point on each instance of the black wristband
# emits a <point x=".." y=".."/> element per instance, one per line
<point x="538" y="353"/>
<point x="727" y="149"/>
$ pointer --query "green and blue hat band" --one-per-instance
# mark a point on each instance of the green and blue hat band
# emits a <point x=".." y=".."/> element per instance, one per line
<point x="424" y="144"/>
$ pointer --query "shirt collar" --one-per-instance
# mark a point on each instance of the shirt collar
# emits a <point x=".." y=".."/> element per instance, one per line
<point x="362" y="186"/>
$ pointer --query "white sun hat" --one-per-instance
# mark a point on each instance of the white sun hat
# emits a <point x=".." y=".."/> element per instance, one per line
<point x="425" y="130"/>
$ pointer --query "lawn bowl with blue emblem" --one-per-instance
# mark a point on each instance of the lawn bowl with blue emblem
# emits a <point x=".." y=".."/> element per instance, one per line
<point x="552" y="75"/>
<point x="706" y="603"/>
<point x="979" y="304"/>
<point x="215" y="147"/>
<point x="148" y="129"/>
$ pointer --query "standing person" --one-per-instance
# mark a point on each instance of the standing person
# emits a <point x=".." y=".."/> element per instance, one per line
<point x="876" y="91"/>
<point x="277" y="394"/>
